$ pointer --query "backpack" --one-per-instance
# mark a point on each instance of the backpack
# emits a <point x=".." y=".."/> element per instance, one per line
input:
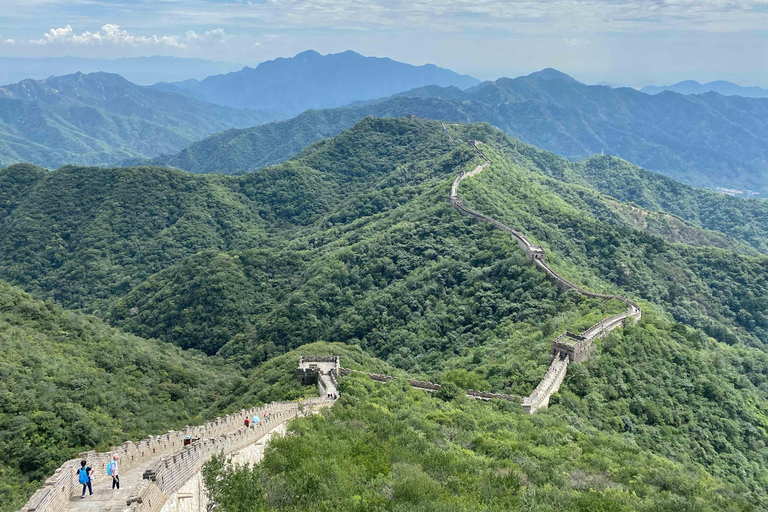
<point x="111" y="468"/>
<point x="82" y="475"/>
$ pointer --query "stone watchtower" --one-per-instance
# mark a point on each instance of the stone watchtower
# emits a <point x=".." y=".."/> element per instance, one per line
<point x="320" y="370"/>
<point x="574" y="346"/>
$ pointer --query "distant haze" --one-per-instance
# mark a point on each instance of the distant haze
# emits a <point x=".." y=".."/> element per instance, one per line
<point x="139" y="70"/>
<point x="720" y="87"/>
<point x="638" y="43"/>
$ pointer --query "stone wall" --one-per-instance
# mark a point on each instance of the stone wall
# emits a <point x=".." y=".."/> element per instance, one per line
<point x="568" y="347"/>
<point x="222" y="432"/>
<point x="432" y="387"/>
<point x="167" y="476"/>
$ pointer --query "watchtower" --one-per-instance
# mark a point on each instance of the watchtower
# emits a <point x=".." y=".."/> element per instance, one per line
<point x="574" y="346"/>
<point x="311" y="367"/>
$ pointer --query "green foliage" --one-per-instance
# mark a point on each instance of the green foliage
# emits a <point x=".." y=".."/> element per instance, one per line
<point x="389" y="447"/>
<point x="101" y="118"/>
<point x="71" y="383"/>
<point x="705" y="141"/>
<point x="354" y="241"/>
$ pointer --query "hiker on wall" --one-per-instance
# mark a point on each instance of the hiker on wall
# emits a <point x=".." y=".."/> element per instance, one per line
<point x="112" y="471"/>
<point x="84" y="477"/>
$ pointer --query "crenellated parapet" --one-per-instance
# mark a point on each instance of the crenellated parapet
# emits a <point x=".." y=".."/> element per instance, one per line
<point x="226" y="432"/>
<point x="431" y="387"/>
<point x="568" y="347"/>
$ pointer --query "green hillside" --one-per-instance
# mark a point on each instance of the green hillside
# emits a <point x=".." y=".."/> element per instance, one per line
<point x="709" y="140"/>
<point x="71" y="383"/>
<point x="392" y="448"/>
<point x="102" y="119"/>
<point x="354" y="242"/>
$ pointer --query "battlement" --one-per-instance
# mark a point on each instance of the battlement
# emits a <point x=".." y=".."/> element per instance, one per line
<point x="57" y="489"/>
<point x="431" y="387"/>
<point x="312" y="367"/>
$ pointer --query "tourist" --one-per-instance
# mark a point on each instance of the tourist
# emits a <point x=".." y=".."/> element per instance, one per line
<point x="247" y="422"/>
<point x="255" y="420"/>
<point x="112" y="471"/>
<point x="84" y="477"/>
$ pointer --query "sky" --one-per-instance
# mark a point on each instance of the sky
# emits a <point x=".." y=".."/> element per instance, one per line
<point x="634" y="42"/>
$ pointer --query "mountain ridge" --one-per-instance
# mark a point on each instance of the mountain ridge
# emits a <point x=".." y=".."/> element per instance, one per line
<point x="283" y="84"/>
<point x="708" y="141"/>
<point x="102" y="118"/>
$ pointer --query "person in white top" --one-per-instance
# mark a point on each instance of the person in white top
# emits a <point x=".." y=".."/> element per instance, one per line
<point x="112" y="470"/>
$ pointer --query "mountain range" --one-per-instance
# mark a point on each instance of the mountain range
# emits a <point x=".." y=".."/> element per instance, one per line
<point x="139" y="70"/>
<point x="101" y="119"/>
<point x="718" y="86"/>
<point x="309" y="80"/>
<point x="354" y="241"/>
<point x="709" y="140"/>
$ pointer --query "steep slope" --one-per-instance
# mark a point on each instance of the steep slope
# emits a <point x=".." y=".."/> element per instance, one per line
<point x="392" y="448"/>
<point x="71" y="383"/>
<point x="155" y="236"/>
<point x="102" y="118"/>
<point x="361" y="246"/>
<point x="310" y="80"/>
<point x="709" y="140"/>
<point x="239" y="151"/>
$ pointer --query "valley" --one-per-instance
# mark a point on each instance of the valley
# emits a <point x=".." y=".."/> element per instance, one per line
<point x="355" y="241"/>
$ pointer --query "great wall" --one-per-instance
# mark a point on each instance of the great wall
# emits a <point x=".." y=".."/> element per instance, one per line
<point x="163" y="473"/>
<point x="568" y="347"/>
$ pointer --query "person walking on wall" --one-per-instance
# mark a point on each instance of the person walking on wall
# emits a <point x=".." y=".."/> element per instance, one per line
<point x="84" y="477"/>
<point x="113" y="472"/>
<point x="247" y="422"/>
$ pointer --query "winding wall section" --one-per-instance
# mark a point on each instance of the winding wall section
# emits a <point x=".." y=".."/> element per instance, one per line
<point x="568" y="347"/>
<point x="161" y="465"/>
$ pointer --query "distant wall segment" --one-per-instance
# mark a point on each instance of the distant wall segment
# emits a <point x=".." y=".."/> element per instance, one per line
<point x="568" y="347"/>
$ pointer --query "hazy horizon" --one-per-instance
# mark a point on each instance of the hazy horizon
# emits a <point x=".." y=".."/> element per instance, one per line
<point x="235" y="66"/>
<point x="644" y="42"/>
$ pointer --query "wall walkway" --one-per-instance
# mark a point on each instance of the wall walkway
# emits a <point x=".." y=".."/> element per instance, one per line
<point x="568" y="347"/>
<point x="155" y="469"/>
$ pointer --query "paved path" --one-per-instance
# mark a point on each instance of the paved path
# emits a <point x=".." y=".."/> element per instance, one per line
<point x="105" y="499"/>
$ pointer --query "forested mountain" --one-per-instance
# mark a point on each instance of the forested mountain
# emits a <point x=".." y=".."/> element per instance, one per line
<point x="718" y="86"/>
<point x="101" y="119"/>
<point x="310" y="80"/>
<point x="71" y="383"/>
<point x="354" y="241"/>
<point x="709" y="141"/>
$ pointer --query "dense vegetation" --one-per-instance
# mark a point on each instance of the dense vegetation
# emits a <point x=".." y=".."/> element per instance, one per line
<point x="354" y="241"/>
<point x="71" y="383"/>
<point x="388" y="447"/>
<point x="102" y="119"/>
<point x="706" y="141"/>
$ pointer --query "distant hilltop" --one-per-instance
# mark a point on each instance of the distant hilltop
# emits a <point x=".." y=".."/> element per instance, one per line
<point x="311" y="80"/>
<point x="719" y="86"/>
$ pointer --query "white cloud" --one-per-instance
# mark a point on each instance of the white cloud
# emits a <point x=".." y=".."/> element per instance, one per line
<point x="267" y="38"/>
<point x="10" y="41"/>
<point x="215" y="35"/>
<point x="518" y="16"/>
<point x="113" y="35"/>
<point x="577" y="42"/>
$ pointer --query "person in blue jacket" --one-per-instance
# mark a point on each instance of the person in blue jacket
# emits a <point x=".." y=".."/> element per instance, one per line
<point x="84" y="477"/>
